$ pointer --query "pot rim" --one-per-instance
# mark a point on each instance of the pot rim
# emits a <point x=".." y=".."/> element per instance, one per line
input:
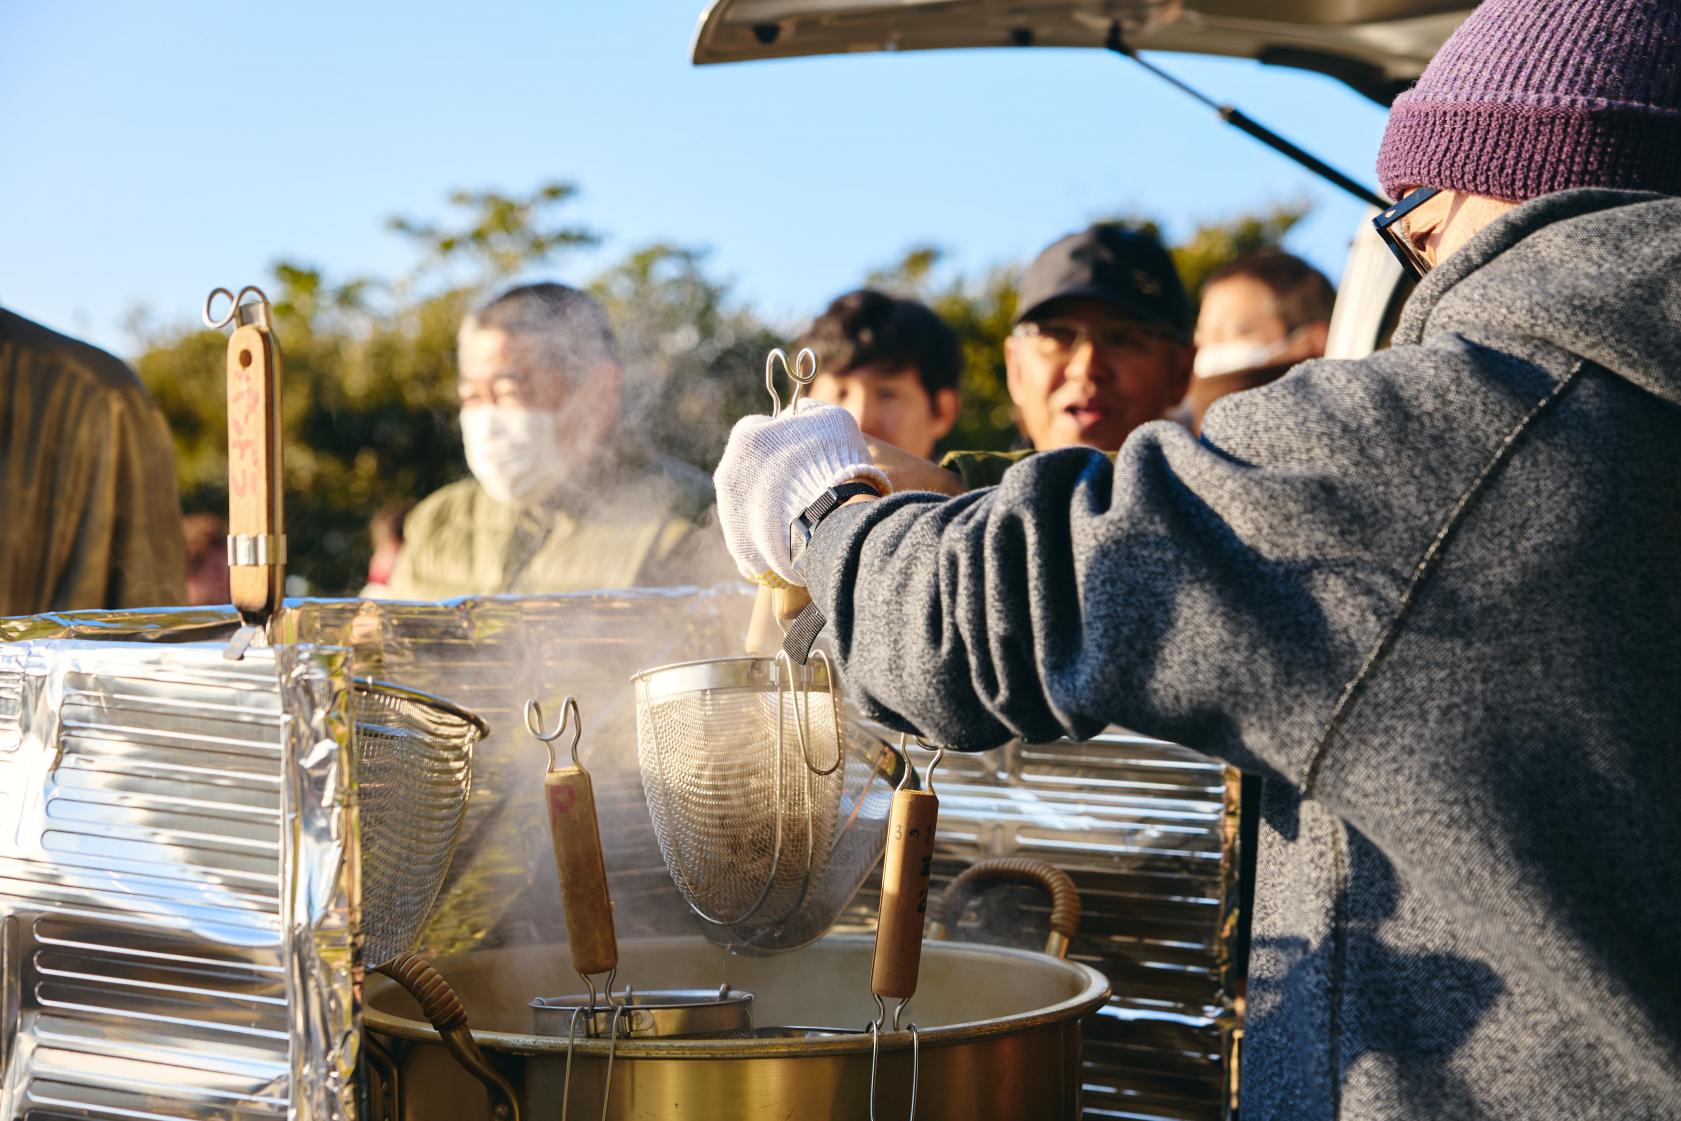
<point x="1091" y="996"/>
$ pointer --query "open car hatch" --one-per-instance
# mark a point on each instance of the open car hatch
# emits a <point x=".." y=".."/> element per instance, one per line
<point x="1378" y="47"/>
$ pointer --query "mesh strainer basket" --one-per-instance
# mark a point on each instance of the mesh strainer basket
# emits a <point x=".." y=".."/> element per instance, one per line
<point x="769" y="807"/>
<point x="414" y="759"/>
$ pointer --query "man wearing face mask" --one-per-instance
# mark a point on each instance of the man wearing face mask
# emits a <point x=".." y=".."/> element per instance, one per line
<point x="556" y="501"/>
<point x="1429" y="595"/>
<point x="1261" y="314"/>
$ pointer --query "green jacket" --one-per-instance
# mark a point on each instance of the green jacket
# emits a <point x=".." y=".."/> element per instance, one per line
<point x="982" y="469"/>
<point x="633" y="521"/>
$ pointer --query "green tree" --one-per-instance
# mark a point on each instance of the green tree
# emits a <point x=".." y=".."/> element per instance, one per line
<point x="499" y="234"/>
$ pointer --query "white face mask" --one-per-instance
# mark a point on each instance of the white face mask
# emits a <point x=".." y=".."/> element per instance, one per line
<point x="1229" y="358"/>
<point x="517" y="454"/>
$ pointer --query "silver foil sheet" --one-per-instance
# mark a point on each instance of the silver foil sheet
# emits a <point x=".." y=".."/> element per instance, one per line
<point x="1147" y="829"/>
<point x="176" y="883"/>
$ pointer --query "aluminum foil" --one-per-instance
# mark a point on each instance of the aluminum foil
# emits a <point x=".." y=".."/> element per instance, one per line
<point x="1146" y="829"/>
<point x="320" y="882"/>
<point x="173" y="942"/>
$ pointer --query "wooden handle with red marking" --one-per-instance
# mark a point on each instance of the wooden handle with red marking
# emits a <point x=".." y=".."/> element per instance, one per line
<point x="905" y="869"/>
<point x="583" y="872"/>
<point x="256" y="533"/>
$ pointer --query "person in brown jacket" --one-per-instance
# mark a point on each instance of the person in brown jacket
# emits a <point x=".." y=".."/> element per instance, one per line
<point x="89" y="512"/>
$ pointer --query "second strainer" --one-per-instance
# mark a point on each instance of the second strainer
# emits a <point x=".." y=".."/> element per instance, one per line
<point x="755" y="787"/>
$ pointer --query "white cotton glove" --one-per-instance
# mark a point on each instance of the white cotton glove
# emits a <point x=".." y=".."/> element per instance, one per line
<point x="772" y="470"/>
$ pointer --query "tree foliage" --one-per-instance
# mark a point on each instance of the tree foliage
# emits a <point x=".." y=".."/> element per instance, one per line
<point x="369" y="363"/>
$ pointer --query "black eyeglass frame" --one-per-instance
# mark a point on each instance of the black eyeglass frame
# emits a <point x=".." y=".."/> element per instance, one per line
<point x="1389" y="227"/>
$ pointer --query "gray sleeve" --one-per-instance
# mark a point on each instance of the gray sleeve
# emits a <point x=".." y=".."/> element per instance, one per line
<point x="1219" y="594"/>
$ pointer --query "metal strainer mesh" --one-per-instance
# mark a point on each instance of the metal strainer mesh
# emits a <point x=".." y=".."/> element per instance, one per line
<point x="763" y="847"/>
<point x="414" y="770"/>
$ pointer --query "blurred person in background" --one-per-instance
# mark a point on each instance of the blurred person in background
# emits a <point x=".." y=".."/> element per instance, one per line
<point x="208" y="582"/>
<point x="385" y="533"/>
<point x="1261" y="314"/>
<point x="89" y="512"/>
<point x="1101" y="345"/>
<point x="560" y="498"/>
<point x="892" y="363"/>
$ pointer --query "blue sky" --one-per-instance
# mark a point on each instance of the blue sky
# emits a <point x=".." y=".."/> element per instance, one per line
<point x="154" y="151"/>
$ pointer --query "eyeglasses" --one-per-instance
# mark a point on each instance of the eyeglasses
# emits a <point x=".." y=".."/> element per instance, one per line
<point x="1060" y="338"/>
<point x="1391" y="226"/>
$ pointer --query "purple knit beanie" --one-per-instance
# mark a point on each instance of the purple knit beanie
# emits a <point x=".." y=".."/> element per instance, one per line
<point x="1534" y="96"/>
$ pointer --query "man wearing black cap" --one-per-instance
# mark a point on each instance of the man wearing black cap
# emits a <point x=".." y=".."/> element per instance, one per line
<point x="1102" y="340"/>
<point x="1101" y="345"/>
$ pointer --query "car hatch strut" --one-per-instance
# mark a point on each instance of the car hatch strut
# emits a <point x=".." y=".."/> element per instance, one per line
<point x="1238" y="120"/>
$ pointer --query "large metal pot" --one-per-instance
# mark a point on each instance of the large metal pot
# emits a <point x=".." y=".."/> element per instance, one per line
<point x="998" y="1030"/>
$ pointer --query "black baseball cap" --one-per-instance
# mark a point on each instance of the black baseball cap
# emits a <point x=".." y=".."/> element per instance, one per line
<point x="1130" y="269"/>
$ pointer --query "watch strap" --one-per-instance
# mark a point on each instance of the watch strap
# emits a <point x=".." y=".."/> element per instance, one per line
<point x="809" y="623"/>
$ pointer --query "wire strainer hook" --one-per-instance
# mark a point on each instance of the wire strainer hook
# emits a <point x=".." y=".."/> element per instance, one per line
<point x="801" y="373"/>
<point x="802" y="720"/>
<point x="216" y="323"/>
<point x="569" y="717"/>
<point x="908" y="776"/>
<point x="875" y="1054"/>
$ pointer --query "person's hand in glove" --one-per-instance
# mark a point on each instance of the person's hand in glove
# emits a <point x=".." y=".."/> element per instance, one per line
<point x="772" y="470"/>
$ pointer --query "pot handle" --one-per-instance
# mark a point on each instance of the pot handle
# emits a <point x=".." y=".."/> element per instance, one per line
<point x="986" y="874"/>
<point x="444" y="1011"/>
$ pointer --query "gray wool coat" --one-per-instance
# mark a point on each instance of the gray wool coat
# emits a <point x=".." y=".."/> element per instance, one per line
<point x="1434" y="597"/>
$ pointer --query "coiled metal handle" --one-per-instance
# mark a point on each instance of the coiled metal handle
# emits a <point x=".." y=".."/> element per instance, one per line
<point x="985" y="874"/>
<point x="445" y="1012"/>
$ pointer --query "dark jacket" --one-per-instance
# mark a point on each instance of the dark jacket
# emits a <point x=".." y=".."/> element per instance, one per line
<point x="1434" y="596"/>
<point x="89" y="512"/>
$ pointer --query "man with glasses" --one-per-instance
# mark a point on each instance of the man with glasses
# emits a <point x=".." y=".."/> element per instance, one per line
<point x="559" y="500"/>
<point x="1102" y="340"/>
<point x="1101" y="345"/>
<point x="1430" y="596"/>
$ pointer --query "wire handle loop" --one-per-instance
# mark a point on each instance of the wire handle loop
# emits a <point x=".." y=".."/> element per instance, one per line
<point x="613" y="1045"/>
<point x="908" y="775"/>
<point x="875" y="1056"/>
<point x="216" y="323"/>
<point x="570" y="716"/>
<point x="571" y="1037"/>
<point x="802" y="373"/>
<point x="802" y="720"/>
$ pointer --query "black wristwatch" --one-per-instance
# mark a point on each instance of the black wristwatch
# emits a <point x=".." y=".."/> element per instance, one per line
<point x="797" y="641"/>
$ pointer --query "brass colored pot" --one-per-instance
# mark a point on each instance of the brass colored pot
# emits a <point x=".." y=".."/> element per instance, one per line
<point x="998" y="1038"/>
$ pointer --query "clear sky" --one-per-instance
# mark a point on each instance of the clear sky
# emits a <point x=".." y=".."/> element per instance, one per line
<point x="154" y="151"/>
